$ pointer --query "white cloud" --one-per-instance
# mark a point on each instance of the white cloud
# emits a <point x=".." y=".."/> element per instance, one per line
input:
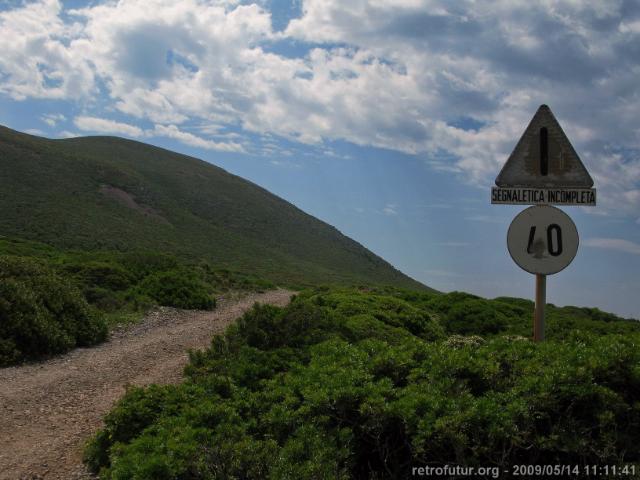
<point x="102" y="125"/>
<point x="453" y="82"/>
<point x="36" y="61"/>
<point x="495" y="63"/>
<point x="285" y="164"/>
<point x="617" y="177"/>
<point x="618" y="244"/>
<point x="171" y="131"/>
<point x="52" y="119"/>
<point x="167" y="61"/>
<point x="390" y="209"/>
<point x="35" y="131"/>
<point x="68" y="134"/>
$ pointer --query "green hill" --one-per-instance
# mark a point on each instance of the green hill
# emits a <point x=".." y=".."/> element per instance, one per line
<point x="108" y="193"/>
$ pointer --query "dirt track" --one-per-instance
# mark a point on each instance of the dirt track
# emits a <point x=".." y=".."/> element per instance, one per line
<point x="49" y="409"/>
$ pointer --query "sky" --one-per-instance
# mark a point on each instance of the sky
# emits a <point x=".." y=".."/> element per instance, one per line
<point x="389" y="119"/>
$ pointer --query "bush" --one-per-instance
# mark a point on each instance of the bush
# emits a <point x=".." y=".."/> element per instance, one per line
<point x="41" y="313"/>
<point x="180" y="288"/>
<point x="111" y="280"/>
<point x="344" y="384"/>
<point x="386" y="308"/>
<point x="474" y="316"/>
<point x="137" y="410"/>
<point x="142" y="264"/>
<point x="101" y="274"/>
<point x="105" y="300"/>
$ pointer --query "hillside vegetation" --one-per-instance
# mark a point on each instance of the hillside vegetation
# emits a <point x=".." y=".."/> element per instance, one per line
<point x="53" y="300"/>
<point x="41" y="313"/>
<point x="117" y="227"/>
<point x="107" y="193"/>
<point x="365" y="384"/>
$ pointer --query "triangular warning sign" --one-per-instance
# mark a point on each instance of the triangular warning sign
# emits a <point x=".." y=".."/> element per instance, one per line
<point x="544" y="158"/>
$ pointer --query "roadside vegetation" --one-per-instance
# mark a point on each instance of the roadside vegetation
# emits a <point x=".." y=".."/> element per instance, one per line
<point x="41" y="313"/>
<point x="368" y="383"/>
<point x="52" y="300"/>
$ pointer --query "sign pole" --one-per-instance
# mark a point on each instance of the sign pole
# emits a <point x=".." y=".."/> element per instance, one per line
<point x="541" y="300"/>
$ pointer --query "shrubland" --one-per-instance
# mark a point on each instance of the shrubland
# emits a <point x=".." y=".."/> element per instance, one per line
<point x="367" y="383"/>
<point x="53" y="300"/>
<point x="41" y="313"/>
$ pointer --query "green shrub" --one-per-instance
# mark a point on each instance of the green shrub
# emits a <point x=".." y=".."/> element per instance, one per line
<point x="101" y="274"/>
<point x="474" y="316"/>
<point x="137" y="410"/>
<point x="180" y="288"/>
<point x="386" y="308"/>
<point x="111" y="280"/>
<point x="344" y="384"/>
<point x="42" y="314"/>
<point x="142" y="264"/>
<point x="104" y="299"/>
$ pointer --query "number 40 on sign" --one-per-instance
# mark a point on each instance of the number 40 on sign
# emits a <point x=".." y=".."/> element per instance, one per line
<point x="542" y="240"/>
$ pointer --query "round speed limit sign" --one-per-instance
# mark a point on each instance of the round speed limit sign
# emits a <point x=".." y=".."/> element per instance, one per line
<point x="542" y="239"/>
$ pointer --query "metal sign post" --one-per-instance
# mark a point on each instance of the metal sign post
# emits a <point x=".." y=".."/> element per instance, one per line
<point x="538" y="313"/>
<point x="543" y="170"/>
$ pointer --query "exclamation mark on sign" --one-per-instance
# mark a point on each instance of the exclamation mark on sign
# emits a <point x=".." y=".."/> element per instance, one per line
<point x="544" y="152"/>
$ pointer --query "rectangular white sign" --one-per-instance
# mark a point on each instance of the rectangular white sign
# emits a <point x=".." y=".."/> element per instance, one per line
<point x="543" y="196"/>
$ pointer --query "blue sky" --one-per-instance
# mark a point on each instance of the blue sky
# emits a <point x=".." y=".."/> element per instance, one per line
<point x="388" y="119"/>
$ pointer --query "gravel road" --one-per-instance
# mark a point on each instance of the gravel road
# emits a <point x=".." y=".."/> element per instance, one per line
<point x="48" y="410"/>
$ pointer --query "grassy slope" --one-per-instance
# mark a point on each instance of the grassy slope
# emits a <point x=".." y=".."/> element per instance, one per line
<point x="50" y="191"/>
